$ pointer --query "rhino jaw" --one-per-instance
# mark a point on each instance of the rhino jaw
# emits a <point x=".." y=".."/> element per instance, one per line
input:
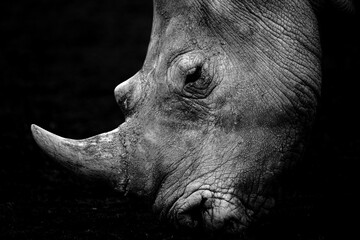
<point x="101" y="157"/>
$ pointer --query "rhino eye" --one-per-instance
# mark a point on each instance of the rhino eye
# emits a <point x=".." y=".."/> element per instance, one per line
<point x="196" y="83"/>
<point x="193" y="75"/>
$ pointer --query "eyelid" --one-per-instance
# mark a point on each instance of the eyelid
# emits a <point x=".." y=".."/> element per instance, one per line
<point x="193" y="70"/>
<point x="176" y="57"/>
<point x="186" y="58"/>
<point x="191" y="66"/>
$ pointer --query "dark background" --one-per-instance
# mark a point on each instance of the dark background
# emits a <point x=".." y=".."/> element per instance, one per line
<point x="59" y="64"/>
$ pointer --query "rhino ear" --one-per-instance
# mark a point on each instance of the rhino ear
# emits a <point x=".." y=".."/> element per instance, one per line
<point x="101" y="156"/>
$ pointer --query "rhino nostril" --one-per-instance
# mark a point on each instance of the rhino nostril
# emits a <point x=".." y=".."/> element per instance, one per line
<point x="192" y="217"/>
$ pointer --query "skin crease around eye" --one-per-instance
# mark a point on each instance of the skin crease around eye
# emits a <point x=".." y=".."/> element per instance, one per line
<point x="197" y="83"/>
<point x="192" y="75"/>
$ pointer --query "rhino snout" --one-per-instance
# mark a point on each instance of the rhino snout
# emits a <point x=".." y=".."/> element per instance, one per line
<point x="208" y="210"/>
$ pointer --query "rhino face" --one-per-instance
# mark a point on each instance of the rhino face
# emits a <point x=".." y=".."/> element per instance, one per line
<point x="218" y="111"/>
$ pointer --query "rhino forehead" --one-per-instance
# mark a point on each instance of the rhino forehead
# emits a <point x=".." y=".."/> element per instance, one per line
<point x="237" y="22"/>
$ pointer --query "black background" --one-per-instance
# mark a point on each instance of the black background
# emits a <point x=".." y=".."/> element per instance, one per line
<point x="59" y="64"/>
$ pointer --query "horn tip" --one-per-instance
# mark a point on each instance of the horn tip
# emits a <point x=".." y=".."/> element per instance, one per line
<point x="37" y="132"/>
<point x="44" y="139"/>
<point x="34" y="128"/>
<point x="38" y="135"/>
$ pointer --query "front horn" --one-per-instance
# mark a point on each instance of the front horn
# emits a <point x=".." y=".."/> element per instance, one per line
<point x="102" y="156"/>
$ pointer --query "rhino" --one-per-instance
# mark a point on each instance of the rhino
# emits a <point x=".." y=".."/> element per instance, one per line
<point x="220" y="109"/>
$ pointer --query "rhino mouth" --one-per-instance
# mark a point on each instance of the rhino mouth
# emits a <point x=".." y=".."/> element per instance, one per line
<point x="214" y="211"/>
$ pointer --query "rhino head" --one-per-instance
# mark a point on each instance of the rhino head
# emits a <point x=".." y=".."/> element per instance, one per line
<point x="219" y="109"/>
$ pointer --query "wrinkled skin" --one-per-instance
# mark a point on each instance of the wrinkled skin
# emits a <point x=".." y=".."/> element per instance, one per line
<point x="219" y="109"/>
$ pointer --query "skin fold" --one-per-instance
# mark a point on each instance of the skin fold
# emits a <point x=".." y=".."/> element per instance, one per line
<point x="220" y="108"/>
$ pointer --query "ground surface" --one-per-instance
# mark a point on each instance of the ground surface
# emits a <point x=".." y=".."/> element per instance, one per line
<point x="58" y="67"/>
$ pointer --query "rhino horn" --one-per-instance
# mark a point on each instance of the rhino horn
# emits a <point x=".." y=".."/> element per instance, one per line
<point x="101" y="156"/>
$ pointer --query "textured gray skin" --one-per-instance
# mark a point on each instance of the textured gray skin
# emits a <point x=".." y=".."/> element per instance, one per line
<point x="220" y="108"/>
